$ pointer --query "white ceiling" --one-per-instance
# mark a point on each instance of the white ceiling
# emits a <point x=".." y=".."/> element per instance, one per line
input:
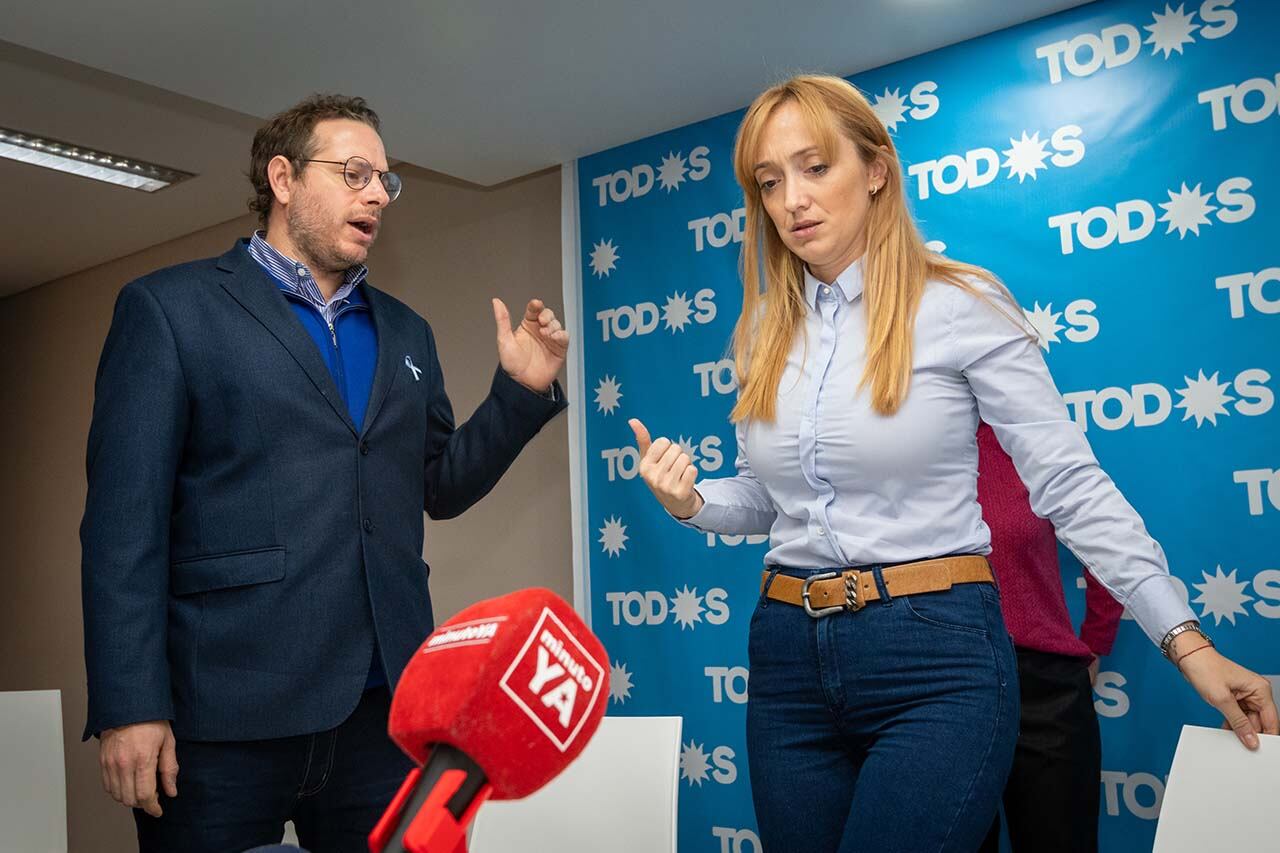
<point x="53" y="224"/>
<point x="484" y="91"/>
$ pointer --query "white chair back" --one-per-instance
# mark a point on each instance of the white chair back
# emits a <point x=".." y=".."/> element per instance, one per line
<point x="33" y="778"/>
<point x="620" y="795"/>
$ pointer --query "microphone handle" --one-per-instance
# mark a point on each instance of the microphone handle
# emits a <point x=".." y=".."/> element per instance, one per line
<point x="443" y="757"/>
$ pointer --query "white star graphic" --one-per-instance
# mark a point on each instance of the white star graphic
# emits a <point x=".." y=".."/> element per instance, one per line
<point x="619" y="683"/>
<point x="676" y="312"/>
<point x="1025" y="156"/>
<point x="693" y="763"/>
<point x="1221" y="596"/>
<point x="687" y="607"/>
<point x="1045" y="322"/>
<point x="687" y="448"/>
<point x="1171" y="30"/>
<point x="1187" y="210"/>
<point x="1204" y="399"/>
<point x="890" y="108"/>
<point x="671" y="172"/>
<point x="604" y="258"/>
<point x="608" y="393"/>
<point x="613" y="536"/>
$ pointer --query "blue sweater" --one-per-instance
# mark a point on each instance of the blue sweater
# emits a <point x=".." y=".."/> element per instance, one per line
<point x="350" y="351"/>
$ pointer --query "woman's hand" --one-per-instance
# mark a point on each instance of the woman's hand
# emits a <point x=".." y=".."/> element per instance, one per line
<point x="668" y="472"/>
<point x="1242" y="697"/>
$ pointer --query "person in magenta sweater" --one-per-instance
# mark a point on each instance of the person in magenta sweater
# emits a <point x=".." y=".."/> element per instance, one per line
<point x="1051" y="798"/>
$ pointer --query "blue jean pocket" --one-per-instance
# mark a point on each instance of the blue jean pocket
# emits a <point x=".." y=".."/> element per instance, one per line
<point x="961" y="608"/>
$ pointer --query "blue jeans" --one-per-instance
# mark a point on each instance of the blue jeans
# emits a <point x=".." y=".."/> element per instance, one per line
<point x="888" y="729"/>
<point x="334" y="785"/>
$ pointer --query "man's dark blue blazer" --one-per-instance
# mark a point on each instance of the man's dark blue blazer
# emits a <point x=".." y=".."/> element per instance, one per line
<point x="242" y="539"/>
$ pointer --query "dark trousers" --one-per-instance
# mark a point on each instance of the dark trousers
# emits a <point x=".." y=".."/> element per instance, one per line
<point x="334" y="785"/>
<point x="887" y="730"/>
<point x="1051" y="800"/>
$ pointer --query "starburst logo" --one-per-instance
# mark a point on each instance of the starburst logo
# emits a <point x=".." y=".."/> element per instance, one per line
<point x="676" y="313"/>
<point x="608" y="393"/>
<point x="619" y="683"/>
<point x="671" y="172"/>
<point x="1025" y="156"/>
<point x="1204" y="399"/>
<point x="693" y="763"/>
<point x="686" y="607"/>
<point x="1187" y="210"/>
<point x="890" y="108"/>
<point x="1222" y="596"/>
<point x="1045" y="322"/>
<point x="687" y="448"/>
<point x="1171" y="30"/>
<point x="613" y="536"/>
<point x="604" y="258"/>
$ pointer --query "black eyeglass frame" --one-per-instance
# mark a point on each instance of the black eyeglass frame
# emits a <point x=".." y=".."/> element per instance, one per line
<point x="385" y="178"/>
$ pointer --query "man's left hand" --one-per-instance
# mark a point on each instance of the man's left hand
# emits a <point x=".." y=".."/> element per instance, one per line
<point x="534" y="353"/>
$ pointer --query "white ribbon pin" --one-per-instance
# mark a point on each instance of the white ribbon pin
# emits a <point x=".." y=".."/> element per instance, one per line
<point x="417" y="371"/>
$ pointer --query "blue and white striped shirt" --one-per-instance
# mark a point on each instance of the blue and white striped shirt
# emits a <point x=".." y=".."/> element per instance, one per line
<point x="297" y="279"/>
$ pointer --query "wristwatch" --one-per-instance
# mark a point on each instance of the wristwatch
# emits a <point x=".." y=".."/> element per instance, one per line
<point x="1191" y="625"/>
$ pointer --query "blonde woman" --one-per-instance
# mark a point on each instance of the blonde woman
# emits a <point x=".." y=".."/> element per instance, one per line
<point x="884" y="700"/>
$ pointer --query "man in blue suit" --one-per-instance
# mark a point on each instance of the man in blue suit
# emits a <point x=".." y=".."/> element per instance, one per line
<point x="268" y="429"/>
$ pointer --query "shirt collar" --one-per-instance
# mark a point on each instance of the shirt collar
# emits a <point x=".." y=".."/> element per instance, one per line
<point x="296" y="278"/>
<point x="848" y="283"/>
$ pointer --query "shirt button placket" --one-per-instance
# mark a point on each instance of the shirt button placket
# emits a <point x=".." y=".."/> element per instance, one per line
<point x="830" y="306"/>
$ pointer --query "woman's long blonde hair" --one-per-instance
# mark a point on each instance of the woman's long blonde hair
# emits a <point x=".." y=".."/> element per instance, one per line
<point x="896" y="263"/>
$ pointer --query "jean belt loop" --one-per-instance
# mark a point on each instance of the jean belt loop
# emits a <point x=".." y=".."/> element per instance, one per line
<point x="878" y="572"/>
<point x="764" y="592"/>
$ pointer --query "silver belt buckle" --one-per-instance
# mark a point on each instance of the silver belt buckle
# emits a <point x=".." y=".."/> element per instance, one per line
<point x="850" y="594"/>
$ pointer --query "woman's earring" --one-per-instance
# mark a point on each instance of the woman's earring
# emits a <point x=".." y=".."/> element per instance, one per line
<point x="874" y="189"/>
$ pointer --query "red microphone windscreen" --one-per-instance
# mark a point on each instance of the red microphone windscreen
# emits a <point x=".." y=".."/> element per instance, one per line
<point x="519" y="683"/>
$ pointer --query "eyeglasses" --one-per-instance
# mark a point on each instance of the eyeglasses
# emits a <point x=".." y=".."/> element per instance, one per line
<point x="358" y="172"/>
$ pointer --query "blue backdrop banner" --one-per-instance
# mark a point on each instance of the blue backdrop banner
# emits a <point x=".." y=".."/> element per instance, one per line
<point x="1115" y="165"/>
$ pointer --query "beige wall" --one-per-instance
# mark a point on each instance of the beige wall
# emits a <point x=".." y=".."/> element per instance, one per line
<point x="445" y="249"/>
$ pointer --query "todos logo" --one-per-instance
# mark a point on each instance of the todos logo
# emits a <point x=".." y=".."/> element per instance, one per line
<point x="696" y="765"/>
<point x="1245" y="107"/>
<point x="686" y="607"/>
<point x="670" y="174"/>
<point x="1251" y="284"/>
<point x="1150" y="403"/>
<point x="1087" y="53"/>
<point x="627" y="320"/>
<point x="1081" y="324"/>
<point x="1130" y="221"/>
<point x="920" y="103"/>
<point x="737" y="840"/>
<point x="624" y="462"/>
<point x="1024" y="158"/>
<point x="720" y="375"/>
<point x="1257" y="481"/>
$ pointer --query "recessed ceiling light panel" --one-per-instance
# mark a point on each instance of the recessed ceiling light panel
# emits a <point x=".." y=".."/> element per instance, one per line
<point x="86" y="162"/>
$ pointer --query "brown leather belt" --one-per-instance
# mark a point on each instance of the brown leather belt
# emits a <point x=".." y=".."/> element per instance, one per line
<point x="851" y="589"/>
